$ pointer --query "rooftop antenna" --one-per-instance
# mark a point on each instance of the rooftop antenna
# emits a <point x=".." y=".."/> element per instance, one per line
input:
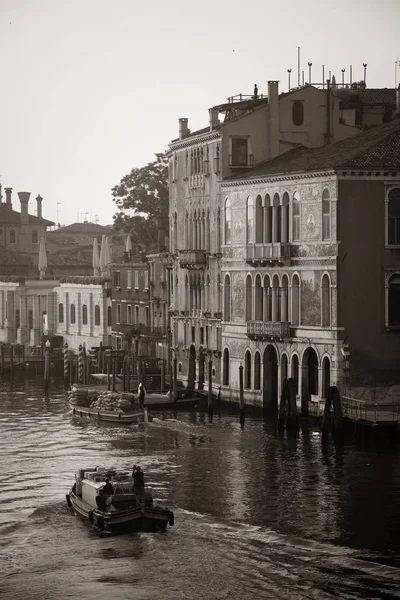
<point x="58" y="213"/>
<point x="85" y="214"/>
<point x="351" y="74"/>
<point x="396" y="71"/>
<point x="343" y="71"/>
<point x="309" y="72"/>
<point x="323" y="77"/>
<point x="298" y="66"/>
<point x="289" y="71"/>
<point x="365" y="73"/>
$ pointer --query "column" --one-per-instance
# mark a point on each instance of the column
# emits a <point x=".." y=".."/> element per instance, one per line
<point x="207" y="232"/>
<point x="3" y="308"/>
<point x="207" y="294"/>
<point x="274" y="224"/>
<point x="193" y="245"/>
<point x="198" y="233"/>
<point x="79" y="312"/>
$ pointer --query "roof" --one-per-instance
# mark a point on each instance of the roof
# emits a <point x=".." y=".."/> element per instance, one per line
<point x="85" y="279"/>
<point x="65" y="259"/>
<point x="376" y="148"/>
<point x="10" y="258"/>
<point x="368" y="96"/>
<point x="86" y="228"/>
<point x="8" y="216"/>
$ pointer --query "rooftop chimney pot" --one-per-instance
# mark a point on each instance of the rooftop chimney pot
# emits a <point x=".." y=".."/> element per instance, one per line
<point x="213" y="117"/>
<point x="24" y="199"/>
<point x="8" y="192"/>
<point x="183" y="128"/>
<point x="39" y="206"/>
<point x="273" y="117"/>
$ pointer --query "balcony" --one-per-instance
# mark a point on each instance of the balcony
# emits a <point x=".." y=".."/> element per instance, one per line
<point x="193" y="259"/>
<point x="261" y="330"/>
<point x="276" y="253"/>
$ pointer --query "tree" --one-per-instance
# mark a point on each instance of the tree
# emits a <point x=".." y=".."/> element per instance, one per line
<point x="142" y="197"/>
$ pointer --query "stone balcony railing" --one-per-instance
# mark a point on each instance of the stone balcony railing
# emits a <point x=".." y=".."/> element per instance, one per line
<point x="275" y="252"/>
<point x="259" y="330"/>
<point x="193" y="259"/>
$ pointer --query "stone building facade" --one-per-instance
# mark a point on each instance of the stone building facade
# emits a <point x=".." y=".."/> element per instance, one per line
<point x="310" y="270"/>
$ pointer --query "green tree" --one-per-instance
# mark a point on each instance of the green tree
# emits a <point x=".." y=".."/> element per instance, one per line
<point x="142" y="197"/>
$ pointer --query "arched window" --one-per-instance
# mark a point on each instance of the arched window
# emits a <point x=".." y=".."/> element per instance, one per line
<point x="296" y="217"/>
<point x="97" y="315"/>
<point x="61" y="313"/>
<point x="247" y="371"/>
<point x="276" y="219"/>
<point x="227" y="298"/>
<point x="267" y="304"/>
<point x="72" y="311"/>
<point x="285" y="299"/>
<point x="258" y="299"/>
<point x="325" y="302"/>
<point x="276" y="307"/>
<point x="250" y="220"/>
<point x="295" y="300"/>
<point x="225" y="368"/>
<point x="285" y="218"/>
<point x="295" y="372"/>
<point x="12" y="236"/>
<point x="34" y="237"/>
<point x="298" y="113"/>
<point x="227" y="235"/>
<point x="84" y="314"/>
<point x="109" y="316"/>
<point x="249" y="298"/>
<point x="180" y="367"/>
<point x="259" y="221"/>
<point x="393" y="216"/>
<point x="326" y="216"/>
<point x="267" y="219"/>
<point x="394" y="301"/>
<point x="257" y="371"/>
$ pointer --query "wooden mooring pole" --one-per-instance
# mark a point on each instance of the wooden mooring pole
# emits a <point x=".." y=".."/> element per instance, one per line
<point x="175" y="378"/>
<point x="47" y="368"/>
<point x="210" y="398"/>
<point x="241" y="396"/>
<point x="66" y="366"/>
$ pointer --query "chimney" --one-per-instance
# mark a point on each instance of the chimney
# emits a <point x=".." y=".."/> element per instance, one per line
<point x="273" y="118"/>
<point x="397" y="101"/>
<point x="183" y="128"/>
<point x="39" y="206"/>
<point x="214" y="120"/>
<point x="24" y="199"/>
<point x="8" y="192"/>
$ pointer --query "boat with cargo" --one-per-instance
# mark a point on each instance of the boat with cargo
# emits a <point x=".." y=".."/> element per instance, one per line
<point x="112" y="502"/>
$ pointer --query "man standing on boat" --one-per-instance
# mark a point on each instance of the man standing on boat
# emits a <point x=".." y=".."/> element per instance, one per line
<point x="108" y="489"/>
<point x="142" y="394"/>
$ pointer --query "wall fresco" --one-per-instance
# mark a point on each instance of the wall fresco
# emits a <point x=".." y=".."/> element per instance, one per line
<point x="237" y="291"/>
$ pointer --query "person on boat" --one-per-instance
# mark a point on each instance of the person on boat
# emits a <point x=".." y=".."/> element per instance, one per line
<point x="108" y="489"/>
<point x="141" y="394"/>
<point x="138" y="481"/>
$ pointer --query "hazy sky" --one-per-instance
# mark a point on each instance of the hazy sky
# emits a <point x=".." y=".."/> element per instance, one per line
<point x="90" y="89"/>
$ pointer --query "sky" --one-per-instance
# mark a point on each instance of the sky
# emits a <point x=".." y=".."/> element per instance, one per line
<point x="91" y="89"/>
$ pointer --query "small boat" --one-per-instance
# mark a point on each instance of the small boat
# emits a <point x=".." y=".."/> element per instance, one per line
<point x="113" y="416"/>
<point x="123" y="511"/>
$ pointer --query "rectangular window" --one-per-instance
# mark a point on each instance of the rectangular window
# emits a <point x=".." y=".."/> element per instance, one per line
<point x="296" y="228"/>
<point x="129" y="280"/>
<point x="117" y="278"/>
<point x="147" y="313"/>
<point x="137" y="320"/>
<point x="202" y="336"/>
<point x="118" y="313"/>
<point x="136" y="280"/>
<point x="239" y="157"/>
<point x="146" y="280"/>
<point x="194" y="335"/>
<point x="129" y="313"/>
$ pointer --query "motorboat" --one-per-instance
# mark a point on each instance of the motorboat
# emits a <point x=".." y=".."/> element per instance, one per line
<point x="124" y="510"/>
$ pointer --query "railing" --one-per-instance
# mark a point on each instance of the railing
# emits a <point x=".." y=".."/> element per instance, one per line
<point x="354" y="408"/>
<point x="193" y="258"/>
<point x="273" y="251"/>
<point x="264" y="329"/>
<point x="241" y="97"/>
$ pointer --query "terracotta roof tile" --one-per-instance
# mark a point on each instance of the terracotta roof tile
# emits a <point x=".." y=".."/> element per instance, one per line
<point x="10" y="258"/>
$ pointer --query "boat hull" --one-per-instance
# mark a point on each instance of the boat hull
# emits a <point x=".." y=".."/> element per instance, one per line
<point x="112" y="416"/>
<point x="143" y="519"/>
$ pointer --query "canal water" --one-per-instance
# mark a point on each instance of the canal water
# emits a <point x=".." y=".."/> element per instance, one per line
<point x="257" y="514"/>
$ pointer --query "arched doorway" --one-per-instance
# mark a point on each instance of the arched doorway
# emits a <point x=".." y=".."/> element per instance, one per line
<point x="284" y="368"/>
<point x="309" y="378"/>
<point x="201" y="369"/>
<point x="192" y="368"/>
<point x="326" y="374"/>
<point x="270" y="378"/>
